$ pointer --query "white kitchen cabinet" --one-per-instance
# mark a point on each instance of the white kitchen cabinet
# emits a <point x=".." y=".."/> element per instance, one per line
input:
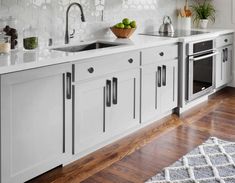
<point x="224" y="40"/>
<point x="35" y="122"/>
<point x="220" y="69"/>
<point x="229" y="62"/>
<point x="89" y="114"/>
<point x="169" y="88"/>
<point x="159" y="89"/>
<point x="124" y="111"/>
<point x="159" y="53"/>
<point x="51" y="113"/>
<point x="151" y="80"/>
<point x="106" y="99"/>
<point x="224" y="62"/>
<point x="104" y="108"/>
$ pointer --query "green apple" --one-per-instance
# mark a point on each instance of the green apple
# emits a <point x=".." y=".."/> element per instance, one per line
<point x="133" y="24"/>
<point x="117" y="25"/>
<point x="126" y="21"/>
<point x="120" y="26"/>
<point x="127" y="27"/>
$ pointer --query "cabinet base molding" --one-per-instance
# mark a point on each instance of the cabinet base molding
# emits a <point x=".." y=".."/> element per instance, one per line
<point x="220" y="88"/>
<point x="115" y="138"/>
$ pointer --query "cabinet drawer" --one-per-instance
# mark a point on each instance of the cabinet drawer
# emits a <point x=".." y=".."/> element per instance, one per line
<point x="107" y="64"/>
<point x="156" y="54"/>
<point x="224" y="40"/>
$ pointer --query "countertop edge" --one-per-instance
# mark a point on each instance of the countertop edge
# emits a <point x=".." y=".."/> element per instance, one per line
<point x="86" y="55"/>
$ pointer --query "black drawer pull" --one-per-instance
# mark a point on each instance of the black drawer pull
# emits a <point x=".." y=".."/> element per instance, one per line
<point x="130" y="60"/>
<point x="224" y="55"/>
<point x="226" y="40"/>
<point x="159" y="73"/>
<point x="91" y="70"/>
<point x="161" y="54"/>
<point x="68" y="85"/>
<point x="108" y="93"/>
<point x="164" y="75"/>
<point x="115" y="91"/>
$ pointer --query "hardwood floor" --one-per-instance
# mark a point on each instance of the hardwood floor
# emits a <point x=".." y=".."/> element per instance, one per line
<point x="141" y="155"/>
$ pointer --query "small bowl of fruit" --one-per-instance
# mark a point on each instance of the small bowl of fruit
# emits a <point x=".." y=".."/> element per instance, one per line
<point x="124" y="29"/>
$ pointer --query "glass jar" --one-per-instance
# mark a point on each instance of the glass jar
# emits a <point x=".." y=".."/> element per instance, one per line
<point x="5" y="43"/>
<point x="30" y="39"/>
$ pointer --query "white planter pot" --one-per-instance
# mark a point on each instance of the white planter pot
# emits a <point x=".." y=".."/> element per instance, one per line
<point x="203" y="23"/>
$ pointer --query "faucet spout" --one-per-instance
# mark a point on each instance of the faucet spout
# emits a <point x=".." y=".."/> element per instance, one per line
<point x="67" y="19"/>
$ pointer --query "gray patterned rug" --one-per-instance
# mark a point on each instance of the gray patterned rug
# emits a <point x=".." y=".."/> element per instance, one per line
<point x="211" y="162"/>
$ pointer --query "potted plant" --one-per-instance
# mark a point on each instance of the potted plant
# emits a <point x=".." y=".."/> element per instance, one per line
<point x="203" y="12"/>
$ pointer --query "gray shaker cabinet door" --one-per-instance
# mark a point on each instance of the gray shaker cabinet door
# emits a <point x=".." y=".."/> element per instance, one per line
<point x="34" y="122"/>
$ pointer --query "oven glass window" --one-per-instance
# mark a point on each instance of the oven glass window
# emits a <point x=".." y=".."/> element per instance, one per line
<point x="202" y="74"/>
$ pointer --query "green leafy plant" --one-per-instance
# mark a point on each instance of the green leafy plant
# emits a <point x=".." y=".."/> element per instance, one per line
<point x="203" y="10"/>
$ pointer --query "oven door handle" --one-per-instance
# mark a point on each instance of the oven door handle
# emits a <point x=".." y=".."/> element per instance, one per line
<point x="203" y="57"/>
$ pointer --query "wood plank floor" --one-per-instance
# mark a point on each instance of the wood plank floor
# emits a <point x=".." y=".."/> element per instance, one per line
<point x="141" y="155"/>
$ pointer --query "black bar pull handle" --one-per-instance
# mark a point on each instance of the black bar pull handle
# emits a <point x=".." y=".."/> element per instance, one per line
<point x="164" y="75"/>
<point x="159" y="71"/>
<point x="226" y="53"/>
<point x="108" y="93"/>
<point x="115" y="91"/>
<point x="68" y="85"/>
<point x="223" y="55"/>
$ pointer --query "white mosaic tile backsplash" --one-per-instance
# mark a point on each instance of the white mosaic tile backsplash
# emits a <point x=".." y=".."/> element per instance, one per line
<point x="48" y="16"/>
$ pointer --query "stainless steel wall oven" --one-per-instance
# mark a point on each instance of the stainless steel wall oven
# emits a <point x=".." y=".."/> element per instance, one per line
<point x="200" y="69"/>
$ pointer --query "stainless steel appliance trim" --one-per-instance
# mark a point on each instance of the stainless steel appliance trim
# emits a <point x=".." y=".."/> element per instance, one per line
<point x="189" y="47"/>
<point x="190" y="95"/>
<point x="192" y="58"/>
<point x="200" y="94"/>
<point x="190" y="80"/>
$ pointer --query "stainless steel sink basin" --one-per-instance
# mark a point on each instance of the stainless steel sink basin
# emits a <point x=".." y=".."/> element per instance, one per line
<point x="86" y="47"/>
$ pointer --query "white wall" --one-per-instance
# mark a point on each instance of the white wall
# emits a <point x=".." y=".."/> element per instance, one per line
<point x="224" y="15"/>
<point x="49" y="15"/>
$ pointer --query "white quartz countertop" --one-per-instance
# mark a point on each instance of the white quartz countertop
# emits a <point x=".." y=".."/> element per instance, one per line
<point x="209" y="33"/>
<point x="22" y="60"/>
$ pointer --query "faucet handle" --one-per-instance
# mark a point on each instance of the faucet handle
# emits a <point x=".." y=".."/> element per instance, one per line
<point x="72" y="34"/>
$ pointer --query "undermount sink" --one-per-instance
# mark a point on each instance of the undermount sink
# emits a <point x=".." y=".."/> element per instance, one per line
<point x="86" y="47"/>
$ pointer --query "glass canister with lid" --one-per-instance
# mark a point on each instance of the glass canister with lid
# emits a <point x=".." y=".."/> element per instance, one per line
<point x="5" y="43"/>
<point x="30" y="38"/>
